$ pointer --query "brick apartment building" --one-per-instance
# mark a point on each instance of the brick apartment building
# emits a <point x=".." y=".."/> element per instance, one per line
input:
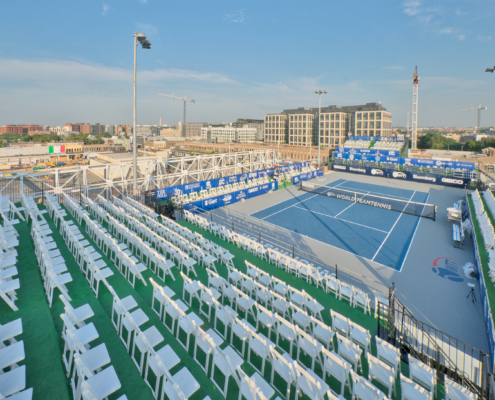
<point x="19" y="129"/>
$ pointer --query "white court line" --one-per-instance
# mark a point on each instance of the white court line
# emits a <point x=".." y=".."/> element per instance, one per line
<point x="340" y="219"/>
<point x="329" y="187"/>
<point x="346" y="208"/>
<point x="414" y="234"/>
<point x="402" y="213"/>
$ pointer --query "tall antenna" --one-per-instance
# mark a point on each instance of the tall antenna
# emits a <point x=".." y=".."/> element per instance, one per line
<point x="414" y="133"/>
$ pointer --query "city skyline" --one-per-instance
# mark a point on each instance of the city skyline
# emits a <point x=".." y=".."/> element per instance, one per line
<point x="245" y="62"/>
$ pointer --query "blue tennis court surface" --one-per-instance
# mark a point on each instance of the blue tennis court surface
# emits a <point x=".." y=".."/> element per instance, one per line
<point x="380" y="235"/>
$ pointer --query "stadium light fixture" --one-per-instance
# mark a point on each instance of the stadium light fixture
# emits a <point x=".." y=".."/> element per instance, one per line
<point x="319" y="92"/>
<point x="145" y="44"/>
<point x="490" y="69"/>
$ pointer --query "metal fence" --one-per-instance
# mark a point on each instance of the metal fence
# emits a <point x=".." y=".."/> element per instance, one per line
<point x="447" y="355"/>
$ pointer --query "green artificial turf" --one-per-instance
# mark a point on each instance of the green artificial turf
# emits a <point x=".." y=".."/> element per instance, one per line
<point x="46" y="350"/>
<point x="490" y="289"/>
<point x="44" y="369"/>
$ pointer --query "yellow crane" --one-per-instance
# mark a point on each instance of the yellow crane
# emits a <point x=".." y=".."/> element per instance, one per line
<point x="185" y="99"/>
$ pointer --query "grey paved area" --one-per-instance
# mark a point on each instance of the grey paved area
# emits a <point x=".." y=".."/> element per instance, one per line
<point x="431" y="283"/>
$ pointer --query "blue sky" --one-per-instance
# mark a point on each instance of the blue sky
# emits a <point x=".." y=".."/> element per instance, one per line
<point x="68" y="61"/>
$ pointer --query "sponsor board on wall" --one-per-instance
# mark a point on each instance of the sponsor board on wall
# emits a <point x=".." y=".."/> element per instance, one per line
<point x="230" y="198"/>
<point x="435" y="179"/>
<point x="406" y="161"/>
<point x="307" y="176"/>
<point x="187" y="188"/>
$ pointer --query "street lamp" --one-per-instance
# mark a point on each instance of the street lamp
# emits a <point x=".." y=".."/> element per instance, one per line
<point x="145" y="44"/>
<point x="319" y="92"/>
<point x="490" y="69"/>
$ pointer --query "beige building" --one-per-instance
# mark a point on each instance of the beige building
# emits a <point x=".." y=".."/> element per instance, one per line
<point x="275" y="128"/>
<point x="301" y="129"/>
<point x="229" y="134"/>
<point x="333" y="128"/>
<point x="336" y="123"/>
<point x="373" y="123"/>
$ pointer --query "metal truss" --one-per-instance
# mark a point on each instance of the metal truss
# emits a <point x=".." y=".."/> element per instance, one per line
<point x="152" y="174"/>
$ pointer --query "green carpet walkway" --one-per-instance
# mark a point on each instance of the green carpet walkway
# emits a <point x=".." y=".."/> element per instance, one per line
<point x="45" y="372"/>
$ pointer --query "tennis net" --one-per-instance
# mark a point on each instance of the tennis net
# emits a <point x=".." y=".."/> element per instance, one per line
<point x="423" y="210"/>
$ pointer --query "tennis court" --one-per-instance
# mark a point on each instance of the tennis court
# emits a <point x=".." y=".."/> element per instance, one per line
<point x="376" y="234"/>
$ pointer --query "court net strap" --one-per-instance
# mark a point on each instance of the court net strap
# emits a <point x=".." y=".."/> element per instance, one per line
<point x="423" y="210"/>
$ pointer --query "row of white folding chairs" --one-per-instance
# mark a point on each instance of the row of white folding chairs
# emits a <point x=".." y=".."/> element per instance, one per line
<point x="88" y="259"/>
<point x="84" y="364"/>
<point x="8" y="270"/>
<point x="111" y="208"/>
<point x="126" y="263"/>
<point x="490" y="200"/>
<point x="12" y="376"/>
<point x="183" y="257"/>
<point x="96" y="211"/>
<point x="309" y="344"/>
<point x="144" y="209"/>
<point x="52" y="265"/>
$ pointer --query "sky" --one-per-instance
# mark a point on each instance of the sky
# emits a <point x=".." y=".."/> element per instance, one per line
<point x="72" y="61"/>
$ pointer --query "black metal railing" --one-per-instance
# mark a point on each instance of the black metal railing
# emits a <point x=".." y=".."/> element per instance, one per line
<point x="447" y="355"/>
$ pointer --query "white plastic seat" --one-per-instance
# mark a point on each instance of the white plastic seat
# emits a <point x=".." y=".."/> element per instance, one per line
<point x="360" y="336"/>
<point x="336" y="366"/>
<point x="388" y="354"/>
<point x="159" y="362"/>
<point x="340" y="324"/>
<point x="412" y="391"/>
<point x="381" y="372"/>
<point x="422" y="374"/>
<point x="102" y="384"/>
<point x="9" y="331"/>
<point x="180" y="386"/>
<point x="349" y="351"/>
<point x="282" y="364"/>
<point x="310" y="384"/>
<point x="12" y="381"/>
<point x="309" y="346"/>
<point x="226" y="361"/>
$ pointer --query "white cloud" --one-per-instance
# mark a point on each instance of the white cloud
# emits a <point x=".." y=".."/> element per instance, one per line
<point x="106" y="8"/>
<point x="394" y="67"/>
<point x="447" y="31"/>
<point x="412" y="7"/>
<point x="459" y="12"/>
<point x="236" y="17"/>
<point x="143" y="1"/>
<point x="484" y="38"/>
<point x="461" y="37"/>
<point x="147" y="29"/>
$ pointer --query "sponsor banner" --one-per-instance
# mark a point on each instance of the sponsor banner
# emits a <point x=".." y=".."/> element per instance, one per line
<point x="292" y="167"/>
<point x="230" y="198"/>
<point x="435" y="179"/>
<point x="376" y="138"/>
<point x="346" y="150"/>
<point x="177" y="190"/>
<point x="307" y="176"/>
<point x="406" y="161"/>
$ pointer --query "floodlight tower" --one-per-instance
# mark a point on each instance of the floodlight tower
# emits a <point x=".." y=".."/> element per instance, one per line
<point x="414" y="133"/>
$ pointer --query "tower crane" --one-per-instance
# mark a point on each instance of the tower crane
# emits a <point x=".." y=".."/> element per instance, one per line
<point x="185" y="99"/>
<point x="479" y="108"/>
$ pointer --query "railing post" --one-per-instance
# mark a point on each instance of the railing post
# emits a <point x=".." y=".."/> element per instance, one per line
<point x="259" y="237"/>
<point x="292" y="251"/>
<point x="232" y="226"/>
<point x="336" y="271"/>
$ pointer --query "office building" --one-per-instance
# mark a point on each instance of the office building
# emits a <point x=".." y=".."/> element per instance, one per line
<point x="276" y="128"/>
<point x="194" y="128"/>
<point x="228" y="134"/>
<point x="259" y="124"/>
<point x="147" y="130"/>
<point x="336" y="123"/>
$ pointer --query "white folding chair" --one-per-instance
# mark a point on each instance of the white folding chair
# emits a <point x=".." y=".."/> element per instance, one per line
<point x="282" y="364"/>
<point x="226" y="361"/>
<point x="336" y="366"/>
<point x="381" y="372"/>
<point x="349" y="351"/>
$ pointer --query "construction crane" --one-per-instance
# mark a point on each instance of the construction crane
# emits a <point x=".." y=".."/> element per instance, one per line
<point x="185" y="99"/>
<point x="479" y="108"/>
<point x="414" y="133"/>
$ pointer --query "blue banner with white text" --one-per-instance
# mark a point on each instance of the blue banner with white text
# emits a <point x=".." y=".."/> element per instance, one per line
<point x="307" y="176"/>
<point x="407" y="161"/>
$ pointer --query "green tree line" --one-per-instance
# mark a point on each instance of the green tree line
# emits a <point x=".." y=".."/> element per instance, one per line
<point x="433" y="140"/>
